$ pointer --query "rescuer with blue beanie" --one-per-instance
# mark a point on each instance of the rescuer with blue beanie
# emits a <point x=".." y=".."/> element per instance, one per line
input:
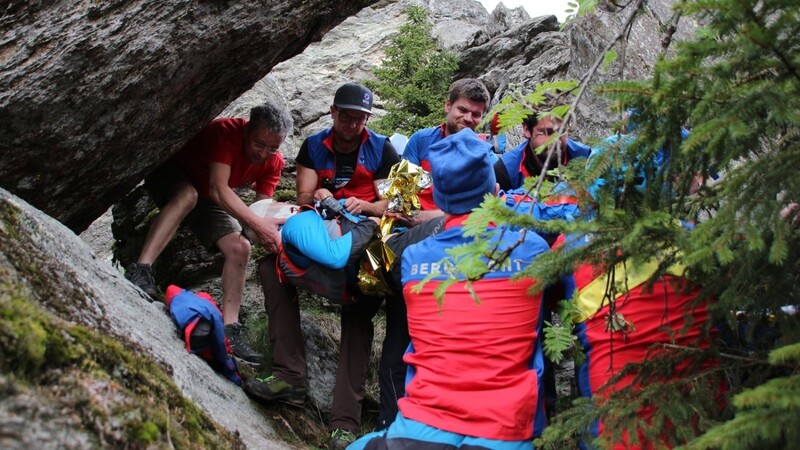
<point x="462" y="172"/>
<point x="465" y="352"/>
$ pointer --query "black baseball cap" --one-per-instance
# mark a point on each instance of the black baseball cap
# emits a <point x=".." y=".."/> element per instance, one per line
<point x="353" y="96"/>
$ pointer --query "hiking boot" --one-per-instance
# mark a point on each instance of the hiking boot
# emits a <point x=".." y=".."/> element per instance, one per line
<point x="340" y="439"/>
<point x="141" y="275"/>
<point x="273" y="388"/>
<point x="240" y="348"/>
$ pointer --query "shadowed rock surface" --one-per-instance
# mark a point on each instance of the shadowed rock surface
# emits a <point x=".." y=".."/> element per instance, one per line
<point x="94" y="95"/>
<point x="43" y="262"/>
<point x="532" y="52"/>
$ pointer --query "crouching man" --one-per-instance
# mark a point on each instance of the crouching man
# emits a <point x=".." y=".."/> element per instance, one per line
<point x="195" y="187"/>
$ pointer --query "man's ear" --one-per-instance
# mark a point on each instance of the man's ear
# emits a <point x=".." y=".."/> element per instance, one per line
<point x="447" y="106"/>
<point x="526" y="133"/>
<point x="333" y="108"/>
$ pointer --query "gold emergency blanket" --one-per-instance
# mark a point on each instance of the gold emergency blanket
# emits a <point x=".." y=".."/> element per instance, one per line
<point x="405" y="181"/>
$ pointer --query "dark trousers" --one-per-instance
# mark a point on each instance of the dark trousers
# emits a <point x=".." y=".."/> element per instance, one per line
<point x="288" y="349"/>
<point x="285" y="335"/>
<point x="392" y="369"/>
<point x="351" y="374"/>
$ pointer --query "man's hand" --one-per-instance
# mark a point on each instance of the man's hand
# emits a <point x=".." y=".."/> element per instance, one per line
<point x="355" y="206"/>
<point x="420" y="217"/>
<point x="269" y="236"/>
<point x="791" y="214"/>
<point x="321" y="194"/>
<point x="364" y="208"/>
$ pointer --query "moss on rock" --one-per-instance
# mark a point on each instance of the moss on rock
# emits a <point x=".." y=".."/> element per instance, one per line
<point x="122" y="398"/>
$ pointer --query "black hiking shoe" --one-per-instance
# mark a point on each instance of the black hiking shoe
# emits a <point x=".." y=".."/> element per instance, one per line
<point x="273" y="388"/>
<point x="141" y="275"/>
<point x="241" y="350"/>
<point x="340" y="439"/>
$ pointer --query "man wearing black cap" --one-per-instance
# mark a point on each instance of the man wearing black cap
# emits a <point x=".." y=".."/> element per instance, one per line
<point x="346" y="162"/>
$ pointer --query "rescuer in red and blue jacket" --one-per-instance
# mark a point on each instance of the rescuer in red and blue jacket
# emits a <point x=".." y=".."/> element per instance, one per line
<point x="627" y="327"/>
<point x="514" y="166"/>
<point x="521" y="162"/>
<point x="473" y="367"/>
<point x="346" y="162"/>
<point x="346" y="179"/>
<point x="467" y="102"/>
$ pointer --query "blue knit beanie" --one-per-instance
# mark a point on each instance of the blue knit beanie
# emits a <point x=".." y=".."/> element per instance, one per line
<point x="462" y="172"/>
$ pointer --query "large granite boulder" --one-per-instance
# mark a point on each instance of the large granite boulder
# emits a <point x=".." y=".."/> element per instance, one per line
<point x="93" y="95"/>
<point x="351" y="51"/>
<point x="532" y="52"/>
<point x="63" y="312"/>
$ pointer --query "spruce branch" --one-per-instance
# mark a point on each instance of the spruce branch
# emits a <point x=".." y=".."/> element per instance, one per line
<point x="669" y="31"/>
<point x="745" y="359"/>
<point x="768" y="44"/>
<point x="555" y="146"/>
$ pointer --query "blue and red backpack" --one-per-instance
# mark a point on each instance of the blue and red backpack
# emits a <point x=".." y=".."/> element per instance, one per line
<point x="202" y="329"/>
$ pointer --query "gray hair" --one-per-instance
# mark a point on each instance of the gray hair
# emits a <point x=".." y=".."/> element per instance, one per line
<point x="471" y="89"/>
<point x="275" y="118"/>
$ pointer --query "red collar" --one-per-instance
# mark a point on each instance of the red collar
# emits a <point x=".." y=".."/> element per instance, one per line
<point x="457" y="220"/>
<point x="328" y="141"/>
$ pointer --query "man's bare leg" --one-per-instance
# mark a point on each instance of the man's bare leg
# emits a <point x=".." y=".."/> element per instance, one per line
<point x="158" y="236"/>
<point x="166" y="223"/>
<point x="236" y="250"/>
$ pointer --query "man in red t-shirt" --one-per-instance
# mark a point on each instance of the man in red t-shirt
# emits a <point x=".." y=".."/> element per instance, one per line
<point x="196" y="186"/>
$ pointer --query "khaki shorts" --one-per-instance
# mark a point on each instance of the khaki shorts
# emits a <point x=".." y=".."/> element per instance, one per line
<point x="208" y="221"/>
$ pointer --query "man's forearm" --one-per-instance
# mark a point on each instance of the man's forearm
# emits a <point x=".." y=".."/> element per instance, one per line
<point x="376" y="208"/>
<point x="305" y="198"/>
<point x="426" y="215"/>
<point x="227" y="199"/>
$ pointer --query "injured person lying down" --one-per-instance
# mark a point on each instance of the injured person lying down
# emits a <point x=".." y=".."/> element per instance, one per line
<point x="321" y="246"/>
